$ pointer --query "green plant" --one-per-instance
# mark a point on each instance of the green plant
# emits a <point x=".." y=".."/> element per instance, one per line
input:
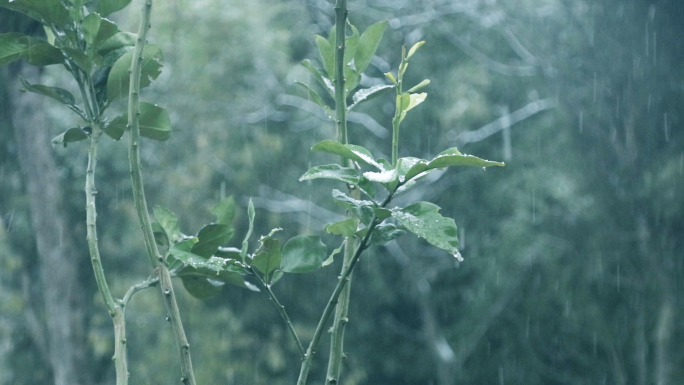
<point x="107" y="64"/>
<point x="100" y="58"/>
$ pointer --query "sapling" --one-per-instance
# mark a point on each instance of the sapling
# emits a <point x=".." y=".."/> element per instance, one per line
<point x="98" y="56"/>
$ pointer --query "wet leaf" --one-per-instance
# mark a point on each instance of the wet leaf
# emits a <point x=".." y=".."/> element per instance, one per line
<point x="331" y="258"/>
<point x="154" y="123"/>
<point x="327" y="55"/>
<point x="385" y="232"/>
<point x="59" y="94"/>
<point x="332" y="171"/>
<point x="224" y="211"/>
<point x="303" y="254"/>
<point x="105" y="7"/>
<point x="345" y="228"/>
<point x="269" y="256"/>
<point x="15" y="46"/>
<point x="168" y="222"/>
<point x="349" y="151"/>
<point x="325" y="83"/>
<point x="424" y="220"/>
<point x="71" y="135"/>
<point x="210" y="238"/>
<point x="46" y="11"/>
<point x="119" y="77"/>
<point x="368" y="93"/>
<point x="313" y="95"/>
<point x="448" y="158"/>
<point x="368" y="44"/>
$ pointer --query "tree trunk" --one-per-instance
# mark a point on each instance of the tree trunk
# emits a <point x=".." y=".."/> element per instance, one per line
<point x="63" y="295"/>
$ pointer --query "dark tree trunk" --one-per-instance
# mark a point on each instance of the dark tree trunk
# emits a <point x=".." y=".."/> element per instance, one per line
<point x="63" y="295"/>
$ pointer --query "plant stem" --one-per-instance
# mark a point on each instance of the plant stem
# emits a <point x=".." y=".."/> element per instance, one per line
<point x="342" y="308"/>
<point x="281" y="310"/>
<point x="334" y="299"/>
<point x="396" y="121"/>
<point x="340" y="92"/>
<point x="187" y="375"/>
<point x="149" y="282"/>
<point x="115" y="311"/>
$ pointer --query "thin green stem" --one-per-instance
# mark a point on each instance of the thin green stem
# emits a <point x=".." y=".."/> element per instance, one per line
<point x="334" y="299"/>
<point x="281" y="310"/>
<point x="149" y="282"/>
<point x="187" y="374"/>
<point x="396" y="121"/>
<point x="115" y="311"/>
<point x="342" y="309"/>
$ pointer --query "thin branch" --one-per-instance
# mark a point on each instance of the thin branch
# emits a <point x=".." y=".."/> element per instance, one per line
<point x="187" y="374"/>
<point x="281" y="310"/>
<point x="501" y="123"/>
<point x="149" y="282"/>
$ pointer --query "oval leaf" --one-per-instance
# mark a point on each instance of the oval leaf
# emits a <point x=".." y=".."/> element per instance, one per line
<point x="348" y="151"/>
<point x="345" y="228"/>
<point x="224" y="211"/>
<point x="74" y="134"/>
<point x="424" y="220"/>
<point x="210" y="238"/>
<point x="59" y="94"/>
<point x="303" y="254"/>
<point x="368" y="93"/>
<point x="119" y="78"/>
<point x="168" y="222"/>
<point x="368" y="44"/>
<point x="332" y="171"/>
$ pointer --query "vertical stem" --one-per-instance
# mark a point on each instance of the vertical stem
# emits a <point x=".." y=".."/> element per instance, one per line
<point x="396" y="121"/>
<point x="187" y="375"/>
<point x="334" y="299"/>
<point x="342" y="308"/>
<point x="115" y="311"/>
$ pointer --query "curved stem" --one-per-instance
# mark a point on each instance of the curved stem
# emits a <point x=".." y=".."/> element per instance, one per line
<point x="334" y="299"/>
<point x="187" y="374"/>
<point x="152" y="281"/>
<point x="115" y="311"/>
<point x="281" y="310"/>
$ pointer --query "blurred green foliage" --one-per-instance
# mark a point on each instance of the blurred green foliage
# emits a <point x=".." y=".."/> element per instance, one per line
<point x="573" y="253"/>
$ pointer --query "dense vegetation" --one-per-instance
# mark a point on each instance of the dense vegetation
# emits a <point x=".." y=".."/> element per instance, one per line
<point x="572" y="253"/>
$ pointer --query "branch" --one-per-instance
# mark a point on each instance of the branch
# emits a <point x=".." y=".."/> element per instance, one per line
<point x="187" y="374"/>
<point x="149" y="282"/>
<point x="281" y="310"/>
<point x="501" y="123"/>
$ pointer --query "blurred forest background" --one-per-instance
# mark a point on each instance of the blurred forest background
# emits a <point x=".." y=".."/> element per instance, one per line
<point x="573" y="252"/>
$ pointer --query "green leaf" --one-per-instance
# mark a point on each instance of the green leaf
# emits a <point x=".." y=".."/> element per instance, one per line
<point x="115" y="41"/>
<point x="269" y="256"/>
<point x="91" y="26"/>
<point x="410" y="102"/>
<point x="106" y="30"/>
<point x="413" y="49"/>
<point x="419" y="86"/>
<point x="224" y="211"/>
<point x="384" y="233"/>
<point x="350" y="46"/>
<point x="313" y="95"/>
<point x="201" y="287"/>
<point x="424" y="220"/>
<point x="168" y="222"/>
<point x="381" y="213"/>
<point x="331" y="258"/>
<point x="159" y="235"/>
<point x="59" y="94"/>
<point x="105" y="7"/>
<point x="78" y="57"/>
<point x="368" y="44"/>
<point x="42" y="54"/>
<point x="154" y="123"/>
<point x="384" y="177"/>
<point x="303" y="254"/>
<point x="228" y="252"/>
<point x="367" y="94"/>
<point x="245" y="242"/>
<point x="181" y="247"/>
<point x="449" y="158"/>
<point x="346" y="228"/>
<point x="46" y="11"/>
<point x="332" y="171"/>
<point x="276" y="276"/>
<point x="324" y="82"/>
<point x="327" y="55"/>
<point x="119" y="77"/>
<point x="210" y="238"/>
<point x="348" y="151"/>
<point x="362" y="210"/>
<point x="367" y="187"/>
<point x="74" y="134"/>
<point x="15" y="46"/>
